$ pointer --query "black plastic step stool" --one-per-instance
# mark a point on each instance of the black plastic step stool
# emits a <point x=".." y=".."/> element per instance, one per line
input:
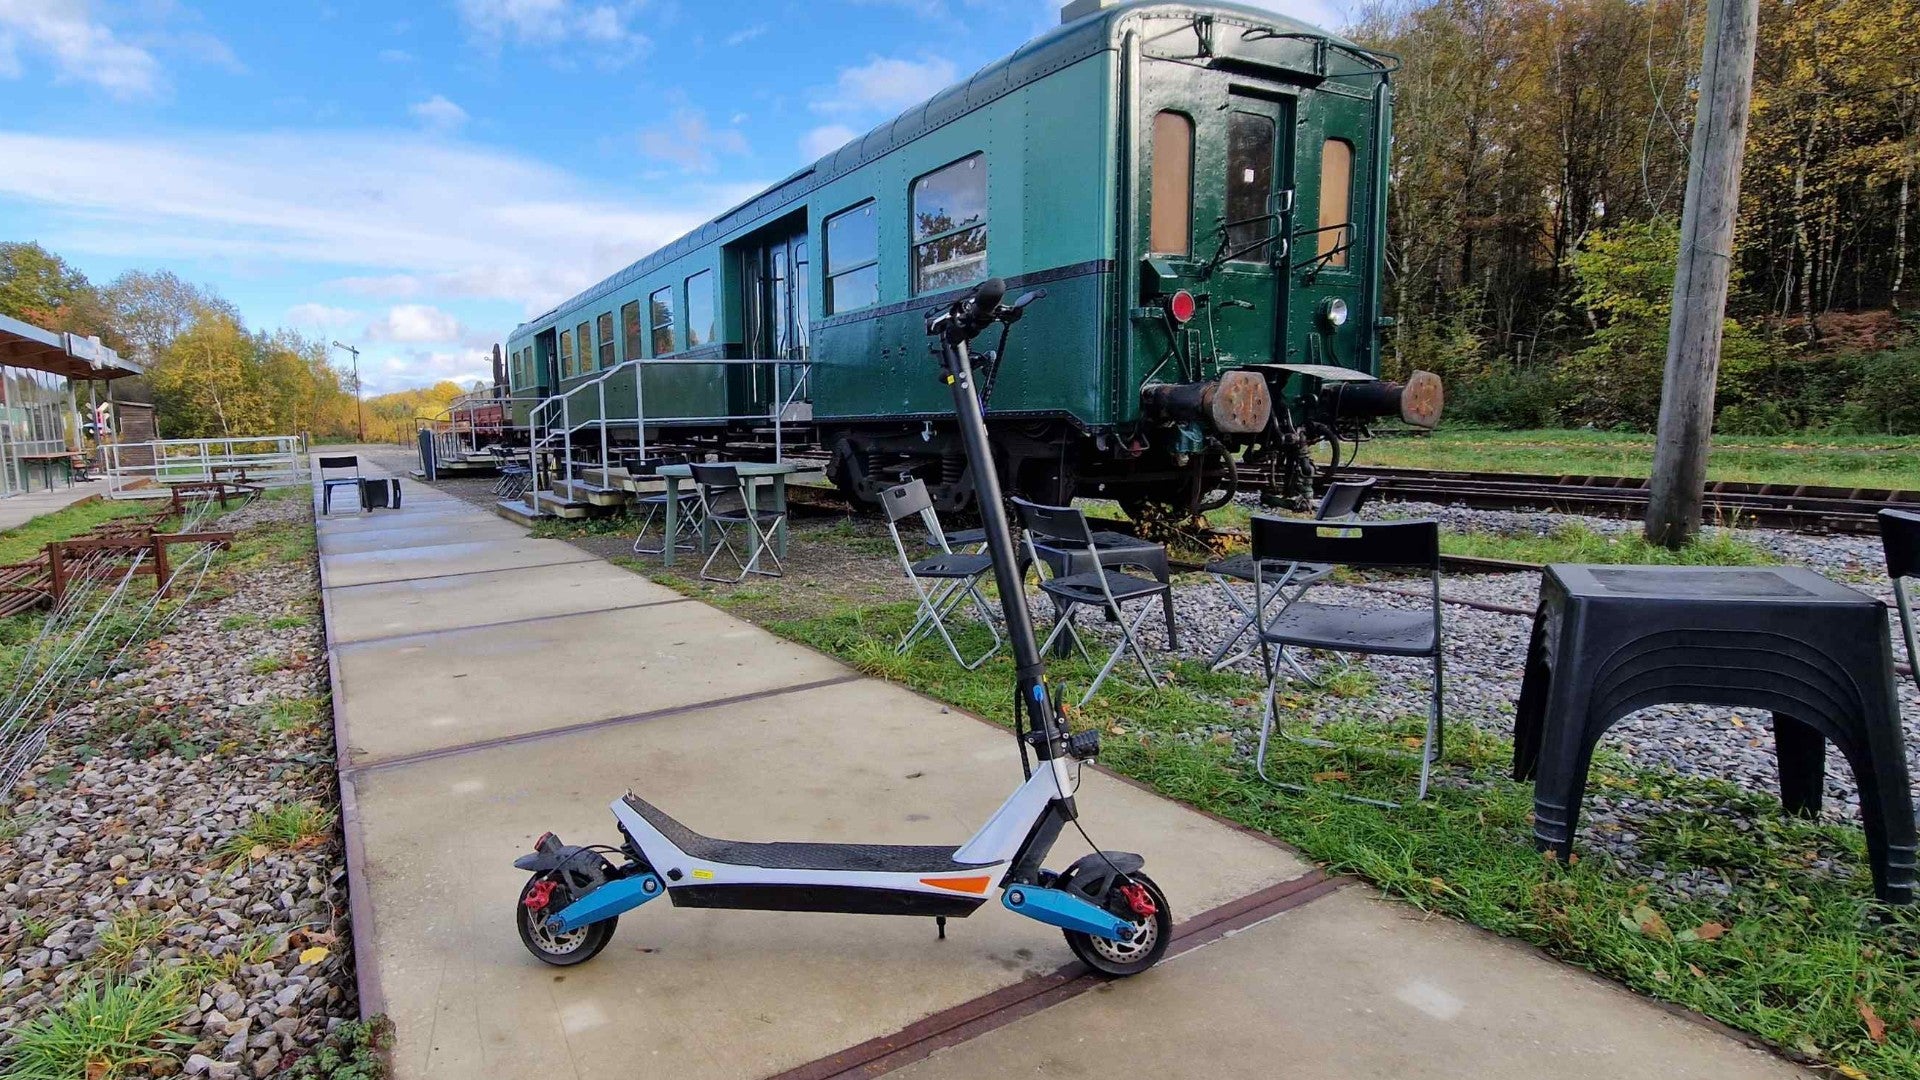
<point x="1612" y="640"/>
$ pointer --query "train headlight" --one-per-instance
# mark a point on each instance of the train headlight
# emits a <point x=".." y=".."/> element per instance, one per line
<point x="1333" y="313"/>
<point x="1181" y="306"/>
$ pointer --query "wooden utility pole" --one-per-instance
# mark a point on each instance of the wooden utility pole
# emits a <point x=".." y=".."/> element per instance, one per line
<point x="1700" y="278"/>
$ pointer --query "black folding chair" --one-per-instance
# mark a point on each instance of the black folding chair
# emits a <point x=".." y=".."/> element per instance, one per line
<point x="956" y="575"/>
<point x="1900" y="536"/>
<point x="345" y="461"/>
<point x="1378" y="631"/>
<point x="686" y="526"/>
<point x="1342" y="500"/>
<point x="724" y="502"/>
<point x="1065" y="528"/>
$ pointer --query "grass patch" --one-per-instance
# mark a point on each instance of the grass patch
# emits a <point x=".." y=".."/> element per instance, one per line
<point x="1576" y="543"/>
<point x="571" y="528"/>
<point x="1835" y="461"/>
<point x="277" y="828"/>
<point x="1791" y="953"/>
<point x="287" y="622"/>
<point x="106" y="1028"/>
<point x="23" y="542"/>
<point x="267" y="665"/>
<point x="292" y="714"/>
<point x="239" y="622"/>
<point x="127" y="934"/>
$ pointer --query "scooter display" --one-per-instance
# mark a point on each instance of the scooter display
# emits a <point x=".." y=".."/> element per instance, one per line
<point x="1114" y="917"/>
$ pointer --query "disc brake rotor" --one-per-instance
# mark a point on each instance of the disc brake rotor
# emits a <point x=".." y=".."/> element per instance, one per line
<point x="557" y="944"/>
<point x="1131" y="949"/>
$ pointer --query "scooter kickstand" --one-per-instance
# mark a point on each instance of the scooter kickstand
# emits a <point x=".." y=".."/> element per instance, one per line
<point x="940" y="923"/>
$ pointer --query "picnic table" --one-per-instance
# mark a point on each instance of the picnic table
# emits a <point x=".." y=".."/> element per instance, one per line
<point x="45" y="461"/>
<point x="751" y="474"/>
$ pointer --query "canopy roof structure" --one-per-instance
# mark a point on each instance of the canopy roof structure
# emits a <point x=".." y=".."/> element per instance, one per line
<point x="26" y="345"/>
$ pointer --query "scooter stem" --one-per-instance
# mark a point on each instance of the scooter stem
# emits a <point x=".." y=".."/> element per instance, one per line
<point x="1030" y="670"/>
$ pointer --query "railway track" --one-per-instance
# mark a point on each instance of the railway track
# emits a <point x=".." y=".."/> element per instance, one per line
<point x="1799" y="508"/>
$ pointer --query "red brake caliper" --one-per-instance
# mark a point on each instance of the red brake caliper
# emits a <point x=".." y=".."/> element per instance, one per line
<point x="539" y="895"/>
<point x="1140" y="900"/>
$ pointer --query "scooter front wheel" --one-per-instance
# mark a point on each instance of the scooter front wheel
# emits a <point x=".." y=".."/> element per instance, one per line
<point x="558" y="949"/>
<point x="1136" y="954"/>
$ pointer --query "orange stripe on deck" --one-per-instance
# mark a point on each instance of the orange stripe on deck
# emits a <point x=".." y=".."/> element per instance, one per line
<point x="958" y="884"/>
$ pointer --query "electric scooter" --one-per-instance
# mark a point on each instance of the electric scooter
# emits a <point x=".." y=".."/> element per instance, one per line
<point x="1115" y="918"/>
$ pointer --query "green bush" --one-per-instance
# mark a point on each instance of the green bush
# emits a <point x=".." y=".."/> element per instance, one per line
<point x="1508" y="396"/>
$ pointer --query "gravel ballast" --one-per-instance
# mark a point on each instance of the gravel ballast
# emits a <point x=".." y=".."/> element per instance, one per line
<point x="134" y="820"/>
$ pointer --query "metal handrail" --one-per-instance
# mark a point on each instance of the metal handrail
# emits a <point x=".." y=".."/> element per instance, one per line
<point x="536" y="441"/>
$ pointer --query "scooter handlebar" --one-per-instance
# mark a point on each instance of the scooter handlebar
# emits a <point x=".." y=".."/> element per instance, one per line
<point x="975" y="312"/>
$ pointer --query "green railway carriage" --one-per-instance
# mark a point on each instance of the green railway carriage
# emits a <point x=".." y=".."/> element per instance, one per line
<point x="1199" y="188"/>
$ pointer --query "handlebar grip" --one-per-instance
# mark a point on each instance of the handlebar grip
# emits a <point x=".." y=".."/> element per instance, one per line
<point x="985" y="298"/>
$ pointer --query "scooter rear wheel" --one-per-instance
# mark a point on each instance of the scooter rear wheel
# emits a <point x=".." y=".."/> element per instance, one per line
<point x="560" y="950"/>
<point x="1137" y="954"/>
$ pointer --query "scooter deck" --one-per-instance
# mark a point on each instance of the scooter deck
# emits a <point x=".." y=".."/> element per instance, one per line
<point x="869" y="858"/>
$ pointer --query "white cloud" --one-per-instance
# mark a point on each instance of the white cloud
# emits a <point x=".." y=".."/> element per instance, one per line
<point x="494" y="23"/>
<point x="439" y="114"/>
<point x="398" y="218"/>
<point x="687" y="140"/>
<point x="822" y="141"/>
<point x="395" y="56"/>
<point x="386" y="372"/>
<point x="320" y="317"/>
<point x="415" y="323"/>
<point x="747" y="33"/>
<point x="886" y="84"/>
<point x="81" y="48"/>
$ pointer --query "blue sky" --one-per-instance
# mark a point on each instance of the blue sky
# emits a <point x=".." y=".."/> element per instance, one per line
<point x="415" y="178"/>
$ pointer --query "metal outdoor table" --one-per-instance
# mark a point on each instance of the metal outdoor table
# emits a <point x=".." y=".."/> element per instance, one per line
<point x="1609" y="641"/>
<point x="751" y="473"/>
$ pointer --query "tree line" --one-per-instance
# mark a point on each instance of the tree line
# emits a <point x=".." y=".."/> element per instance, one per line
<point x="207" y="374"/>
<point x="1538" y="169"/>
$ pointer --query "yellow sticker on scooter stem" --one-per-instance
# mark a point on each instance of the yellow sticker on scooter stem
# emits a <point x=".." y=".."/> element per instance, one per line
<point x="703" y="875"/>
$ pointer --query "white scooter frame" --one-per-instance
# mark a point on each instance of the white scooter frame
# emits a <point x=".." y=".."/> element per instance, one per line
<point x="1115" y="918"/>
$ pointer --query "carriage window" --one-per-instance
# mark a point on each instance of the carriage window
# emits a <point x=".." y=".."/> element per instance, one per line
<point x="950" y="226"/>
<point x="1336" y="201"/>
<point x="566" y="354"/>
<point x="606" y="338"/>
<point x="853" y="258"/>
<point x="1249" y="184"/>
<point x="630" y="328"/>
<point x="660" y="307"/>
<point x="583" y="349"/>
<point x="1171" y="230"/>
<point x="700" y="309"/>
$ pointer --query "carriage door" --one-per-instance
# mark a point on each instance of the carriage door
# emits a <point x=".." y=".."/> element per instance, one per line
<point x="1246" y="223"/>
<point x="777" y="306"/>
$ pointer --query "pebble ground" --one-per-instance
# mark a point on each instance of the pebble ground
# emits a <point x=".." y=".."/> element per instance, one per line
<point x="129" y="822"/>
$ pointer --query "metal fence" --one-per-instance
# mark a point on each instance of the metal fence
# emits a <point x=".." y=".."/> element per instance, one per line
<point x="272" y="460"/>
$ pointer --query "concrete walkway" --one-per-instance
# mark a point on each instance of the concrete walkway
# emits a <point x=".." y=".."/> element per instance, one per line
<point x="489" y="687"/>
<point x="20" y="509"/>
